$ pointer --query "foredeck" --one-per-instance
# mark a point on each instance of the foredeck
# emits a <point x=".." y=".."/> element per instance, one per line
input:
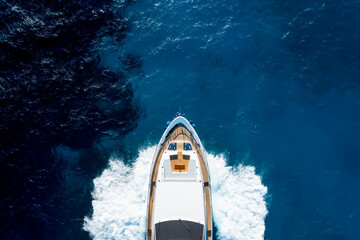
<point x="180" y="133"/>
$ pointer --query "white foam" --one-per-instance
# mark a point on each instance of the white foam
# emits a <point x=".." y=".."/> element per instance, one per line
<point x="119" y="200"/>
<point x="239" y="206"/>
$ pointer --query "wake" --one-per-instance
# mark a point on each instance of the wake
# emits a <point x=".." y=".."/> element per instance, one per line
<point x="119" y="200"/>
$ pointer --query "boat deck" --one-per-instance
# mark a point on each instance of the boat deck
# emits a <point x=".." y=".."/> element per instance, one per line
<point x="180" y="133"/>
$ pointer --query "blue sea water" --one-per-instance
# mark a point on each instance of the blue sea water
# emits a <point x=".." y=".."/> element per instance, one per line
<point x="270" y="84"/>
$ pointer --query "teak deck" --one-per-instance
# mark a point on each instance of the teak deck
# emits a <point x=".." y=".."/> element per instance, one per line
<point x="180" y="164"/>
<point x="180" y="133"/>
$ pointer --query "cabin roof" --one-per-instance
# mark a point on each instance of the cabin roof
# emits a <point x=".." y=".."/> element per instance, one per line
<point x="181" y="199"/>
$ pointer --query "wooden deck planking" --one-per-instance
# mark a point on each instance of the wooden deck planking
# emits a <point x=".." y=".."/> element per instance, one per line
<point x="180" y="161"/>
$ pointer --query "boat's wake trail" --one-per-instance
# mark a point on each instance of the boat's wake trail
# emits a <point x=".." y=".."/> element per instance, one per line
<point x="119" y="200"/>
<point x="238" y="200"/>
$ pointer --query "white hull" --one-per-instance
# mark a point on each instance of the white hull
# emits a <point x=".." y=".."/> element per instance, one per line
<point x="179" y="198"/>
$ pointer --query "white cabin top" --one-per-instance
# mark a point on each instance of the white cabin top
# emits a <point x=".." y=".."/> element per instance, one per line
<point x="179" y="186"/>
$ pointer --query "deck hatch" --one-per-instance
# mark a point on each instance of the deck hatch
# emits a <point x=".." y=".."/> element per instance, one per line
<point x="173" y="157"/>
<point x="180" y="167"/>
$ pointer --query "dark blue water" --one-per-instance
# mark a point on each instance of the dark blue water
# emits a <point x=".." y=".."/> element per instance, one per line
<point x="273" y="84"/>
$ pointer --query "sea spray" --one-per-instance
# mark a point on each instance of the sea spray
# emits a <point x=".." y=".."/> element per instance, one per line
<point x="119" y="200"/>
<point x="239" y="207"/>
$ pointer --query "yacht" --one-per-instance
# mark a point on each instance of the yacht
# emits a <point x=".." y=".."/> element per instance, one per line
<point x="179" y="196"/>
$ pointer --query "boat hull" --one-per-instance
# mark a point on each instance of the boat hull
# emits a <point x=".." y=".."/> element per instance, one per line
<point x="179" y="130"/>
